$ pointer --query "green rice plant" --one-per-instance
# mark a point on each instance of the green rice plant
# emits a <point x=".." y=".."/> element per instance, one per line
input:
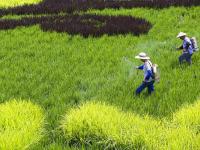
<point x="13" y="3"/>
<point x="178" y="138"/>
<point x="97" y="123"/>
<point x="107" y="126"/>
<point x="21" y="125"/>
<point x="59" y="71"/>
<point x="188" y="116"/>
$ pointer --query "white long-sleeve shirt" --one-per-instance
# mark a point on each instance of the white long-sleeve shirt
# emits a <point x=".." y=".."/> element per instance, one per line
<point x="187" y="49"/>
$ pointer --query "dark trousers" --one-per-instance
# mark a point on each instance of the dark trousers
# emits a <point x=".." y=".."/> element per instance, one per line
<point x="187" y="57"/>
<point x="144" y="85"/>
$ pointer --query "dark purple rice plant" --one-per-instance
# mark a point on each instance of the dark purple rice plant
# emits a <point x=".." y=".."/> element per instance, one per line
<point x="85" y="25"/>
<point x="69" y="6"/>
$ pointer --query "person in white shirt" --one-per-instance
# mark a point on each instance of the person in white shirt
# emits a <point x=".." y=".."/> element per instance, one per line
<point x="186" y="47"/>
<point x="148" y="81"/>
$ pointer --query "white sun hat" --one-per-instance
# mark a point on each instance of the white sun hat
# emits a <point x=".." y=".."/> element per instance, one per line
<point x="143" y="56"/>
<point x="181" y="34"/>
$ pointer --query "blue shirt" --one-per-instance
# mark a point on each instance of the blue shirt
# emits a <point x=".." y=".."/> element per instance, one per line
<point x="147" y="68"/>
<point x="187" y="46"/>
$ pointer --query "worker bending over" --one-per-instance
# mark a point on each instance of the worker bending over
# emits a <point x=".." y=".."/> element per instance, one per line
<point x="186" y="47"/>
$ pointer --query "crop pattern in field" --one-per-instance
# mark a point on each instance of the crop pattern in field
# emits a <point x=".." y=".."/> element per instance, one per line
<point x="84" y="24"/>
<point x="59" y="70"/>
<point x="110" y="127"/>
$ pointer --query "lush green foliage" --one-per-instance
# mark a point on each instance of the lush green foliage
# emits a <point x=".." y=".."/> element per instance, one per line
<point x="96" y="123"/>
<point x="58" y="71"/>
<point x="189" y="117"/>
<point x="21" y="125"/>
<point x="13" y="3"/>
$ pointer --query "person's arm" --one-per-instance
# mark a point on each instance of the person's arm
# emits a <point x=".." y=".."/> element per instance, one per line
<point x="180" y="48"/>
<point x="140" y="67"/>
<point x="187" y="45"/>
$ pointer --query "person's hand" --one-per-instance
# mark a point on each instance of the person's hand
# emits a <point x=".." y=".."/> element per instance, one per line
<point x="136" y="67"/>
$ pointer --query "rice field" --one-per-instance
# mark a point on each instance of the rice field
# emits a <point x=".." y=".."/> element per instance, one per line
<point x="60" y="75"/>
<point x="108" y="127"/>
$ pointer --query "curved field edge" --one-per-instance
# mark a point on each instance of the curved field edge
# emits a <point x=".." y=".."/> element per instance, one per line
<point x="14" y="3"/>
<point x="109" y="127"/>
<point x="21" y="125"/>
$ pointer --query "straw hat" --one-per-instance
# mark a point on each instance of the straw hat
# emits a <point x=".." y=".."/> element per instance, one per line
<point x="181" y="34"/>
<point x="142" y="56"/>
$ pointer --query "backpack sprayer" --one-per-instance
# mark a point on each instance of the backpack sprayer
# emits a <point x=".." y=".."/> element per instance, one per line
<point x="194" y="44"/>
<point x="156" y="73"/>
<point x="155" y="69"/>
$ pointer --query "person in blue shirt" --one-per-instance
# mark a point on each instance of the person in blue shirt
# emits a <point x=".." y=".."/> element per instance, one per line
<point x="186" y="47"/>
<point x="148" y="81"/>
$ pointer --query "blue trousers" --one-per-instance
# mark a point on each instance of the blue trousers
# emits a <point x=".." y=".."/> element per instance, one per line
<point x="187" y="57"/>
<point x="144" y="85"/>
